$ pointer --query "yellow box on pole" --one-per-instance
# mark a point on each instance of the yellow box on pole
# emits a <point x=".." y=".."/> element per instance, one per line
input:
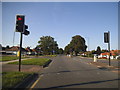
<point x="18" y="53"/>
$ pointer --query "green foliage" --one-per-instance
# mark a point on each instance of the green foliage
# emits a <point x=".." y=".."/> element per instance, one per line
<point x="48" y="45"/>
<point x="104" y="51"/>
<point x="90" y="55"/>
<point x="60" y="51"/>
<point x="98" y="51"/>
<point x="92" y="52"/>
<point x="11" y="79"/>
<point x="67" y="49"/>
<point x="33" y="61"/>
<point x="76" y="45"/>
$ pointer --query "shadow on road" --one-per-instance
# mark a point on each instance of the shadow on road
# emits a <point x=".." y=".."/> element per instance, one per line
<point x="65" y="71"/>
<point x="77" y="84"/>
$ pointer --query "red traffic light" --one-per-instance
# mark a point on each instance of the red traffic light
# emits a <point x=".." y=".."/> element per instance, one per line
<point x="19" y="18"/>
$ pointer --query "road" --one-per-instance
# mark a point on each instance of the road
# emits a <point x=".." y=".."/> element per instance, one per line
<point x="65" y="72"/>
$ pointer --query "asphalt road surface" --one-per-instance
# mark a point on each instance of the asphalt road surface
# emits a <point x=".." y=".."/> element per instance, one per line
<point x="66" y="72"/>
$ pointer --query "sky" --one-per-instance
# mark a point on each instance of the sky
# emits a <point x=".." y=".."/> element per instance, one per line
<point x="62" y="21"/>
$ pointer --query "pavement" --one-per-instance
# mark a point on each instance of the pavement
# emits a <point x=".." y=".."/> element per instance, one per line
<point x="5" y="62"/>
<point x="24" y="68"/>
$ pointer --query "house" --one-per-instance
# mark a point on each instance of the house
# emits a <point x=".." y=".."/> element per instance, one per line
<point x="104" y="55"/>
<point x="34" y="52"/>
<point x="14" y="50"/>
<point x="30" y="51"/>
<point x="114" y="54"/>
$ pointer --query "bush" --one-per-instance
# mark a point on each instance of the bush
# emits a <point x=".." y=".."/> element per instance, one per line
<point x="91" y="55"/>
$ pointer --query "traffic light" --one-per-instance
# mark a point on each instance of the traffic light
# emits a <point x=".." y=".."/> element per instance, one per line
<point x="20" y="19"/>
<point x="106" y="37"/>
<point x="26" y="32"/>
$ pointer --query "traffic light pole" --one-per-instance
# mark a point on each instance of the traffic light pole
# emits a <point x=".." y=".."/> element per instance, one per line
<point x="21" y="35"/>
<point x="21" y="27"/>
<point x="109" y="47"/>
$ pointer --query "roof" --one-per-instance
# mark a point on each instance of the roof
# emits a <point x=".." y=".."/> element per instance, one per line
<point x="113" y="52"/>
<point x="106" y="53"/>
<point x="28" y="50"/>
<point x="33" y="50"/>
<point x="14" y="48"/>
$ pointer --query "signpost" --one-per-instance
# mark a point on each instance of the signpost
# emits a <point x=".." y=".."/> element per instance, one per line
<point x="107" y="40"/>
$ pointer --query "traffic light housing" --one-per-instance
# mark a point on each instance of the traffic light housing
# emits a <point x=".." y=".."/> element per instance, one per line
<point x="26" y="32"/>
<point x="20" y="19"/>
<point x="106" y="37"/>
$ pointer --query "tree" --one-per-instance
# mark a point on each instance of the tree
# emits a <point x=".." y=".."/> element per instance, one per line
<point x="48" y="45"/>
<point x="1" y="47"/>
<point x="104" y="51"/>
<point x="76" y="45"/>
<point x="61" y="51"/>
<point x="7" y="47"/>
<point x="98" y="51"/>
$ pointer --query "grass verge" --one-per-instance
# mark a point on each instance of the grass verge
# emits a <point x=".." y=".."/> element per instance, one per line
<point x="33" y="61"/>
<point x="9" y="58"/>
<point x="11" y="79"/>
